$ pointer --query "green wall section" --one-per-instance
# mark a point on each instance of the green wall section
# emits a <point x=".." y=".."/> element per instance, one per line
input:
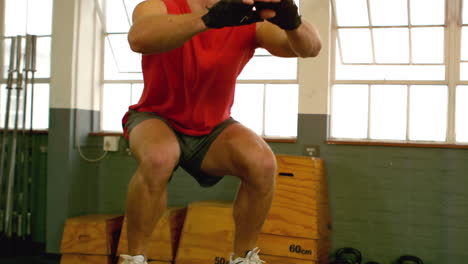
<point x="39" y="186"/>
<point x="385" y="201"/>
<point x="393" y="201"/>
<point x="70" y="179"/>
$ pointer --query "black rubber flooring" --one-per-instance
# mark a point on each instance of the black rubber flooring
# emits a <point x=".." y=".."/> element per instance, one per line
<point x="16" y="251"/>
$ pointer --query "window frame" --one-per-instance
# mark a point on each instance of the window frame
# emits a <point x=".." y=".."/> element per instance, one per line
<point x="452" y="61"/>
<point x="3" y="81"/>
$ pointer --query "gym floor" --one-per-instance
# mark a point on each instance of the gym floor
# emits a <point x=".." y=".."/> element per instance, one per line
<point x="24" y="252"/>
<point x="44" y="259"/>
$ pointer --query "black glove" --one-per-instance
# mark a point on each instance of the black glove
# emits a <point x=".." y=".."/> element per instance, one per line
<point x="230" y="13"/>
<point x="287" y="15"/>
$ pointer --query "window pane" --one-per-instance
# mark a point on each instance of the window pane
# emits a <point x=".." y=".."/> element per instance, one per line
<point x="43" y="50"/>
<point x="465" y="11"/>
<point x="37" y="93"/>
<point x="464" y="71"/>
<point x="116" y="17"/>
<point x="428" y="112"/>
<point x="6" y="56"/>
<point x="427" y="12"/>
<point x="130" y="6"/>
<point x="281" y="109"/>
<point x="461" y="122"/>
<point x="428" y="45"/>
<point x="111" y="69"/>
<point x="115" y="104"/>
<point x="349" y="111"/>
<point x="262" y="52"/>
<point x="464" y="44"/>
<point x="388" y="112"/>
<point x="248" y="106"/>
<point x="40" y="106"/>
<point x="40" y="17"/>
<point x="390" y="72"/>
<point x="28" y="16"/>
<point x="391" y="45"/>
<point x="351" y="13"/>
<point x="270" y="68"/>
<point x="356" y="46"/>
<point x="137" y="91"/>
<point x="15" y="17"/>
<point x="126" y="59"/>
<point x="389" y="13"/>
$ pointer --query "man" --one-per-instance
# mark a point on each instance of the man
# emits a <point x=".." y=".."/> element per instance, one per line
<point x="193" y="51"/>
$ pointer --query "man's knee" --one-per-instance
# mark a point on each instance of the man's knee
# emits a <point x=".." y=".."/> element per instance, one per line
<point x="261" y="170"/>
<point x="156" y="166"/>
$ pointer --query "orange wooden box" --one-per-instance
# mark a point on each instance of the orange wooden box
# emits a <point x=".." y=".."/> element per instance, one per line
<point x="284" y="260"/>
<point x="208" y="234"/>
<point x="164" y="239"/>
<point x="300" y="206"/>
<point x="120" y="261"/>
<point x="91" y="234"/>
<point x="294" y="247"/>
<point x="85" y="259"/>
<point x="208" y="237"/>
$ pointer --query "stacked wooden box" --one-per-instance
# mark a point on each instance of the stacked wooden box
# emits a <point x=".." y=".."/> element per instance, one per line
<point x="208" y="234"/>
<point x="298" y="226"/>
<point x="164" y="239"/>
<point x="297" y="230"/>
<point x="90" y="239"/>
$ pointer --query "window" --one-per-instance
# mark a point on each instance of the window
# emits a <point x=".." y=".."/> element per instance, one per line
<point x="266" y="95"/>
<point x="399" y="72"/>
<point x="21" y="18"/>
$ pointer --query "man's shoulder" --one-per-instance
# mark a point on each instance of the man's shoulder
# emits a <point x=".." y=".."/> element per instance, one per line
<point x="150" y="7"/>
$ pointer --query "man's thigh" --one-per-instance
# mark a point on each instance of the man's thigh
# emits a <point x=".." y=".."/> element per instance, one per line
<point x="233" y="150"/>
<point x="153" y="136"/>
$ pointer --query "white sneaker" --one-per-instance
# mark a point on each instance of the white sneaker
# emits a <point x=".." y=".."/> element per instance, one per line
<point x="133" y="259"/>
<point x="250" y="258"/>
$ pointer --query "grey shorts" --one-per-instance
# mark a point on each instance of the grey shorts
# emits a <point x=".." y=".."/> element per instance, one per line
<point x="192" y="148"/>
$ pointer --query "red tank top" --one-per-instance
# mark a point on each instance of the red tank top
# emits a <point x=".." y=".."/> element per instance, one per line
<point x="192" y="87"/>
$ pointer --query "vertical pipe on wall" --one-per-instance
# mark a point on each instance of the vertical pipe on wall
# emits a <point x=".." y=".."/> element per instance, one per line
<point x="2" y="34"/>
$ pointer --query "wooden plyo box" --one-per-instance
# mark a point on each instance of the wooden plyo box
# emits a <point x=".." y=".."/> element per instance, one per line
<point x="208" y="237"/>
<point x="297" y="229"/>
<point x="91" y="234"/>
<point x="316" y="250"/>
<point x="300" y="205"/>
<point x="284" y="260"/>
<point x="149" y="262"/>
<point x="164" y="239"/>
<point x="208" y="234"/>
<point x="293" y="247"/>
<point x="85" y="259"/>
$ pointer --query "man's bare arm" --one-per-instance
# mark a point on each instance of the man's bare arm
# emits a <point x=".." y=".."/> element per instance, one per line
<point x="155" y="31"/>
<point x="287" y="34"/>
<point x="303" y="42"/>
